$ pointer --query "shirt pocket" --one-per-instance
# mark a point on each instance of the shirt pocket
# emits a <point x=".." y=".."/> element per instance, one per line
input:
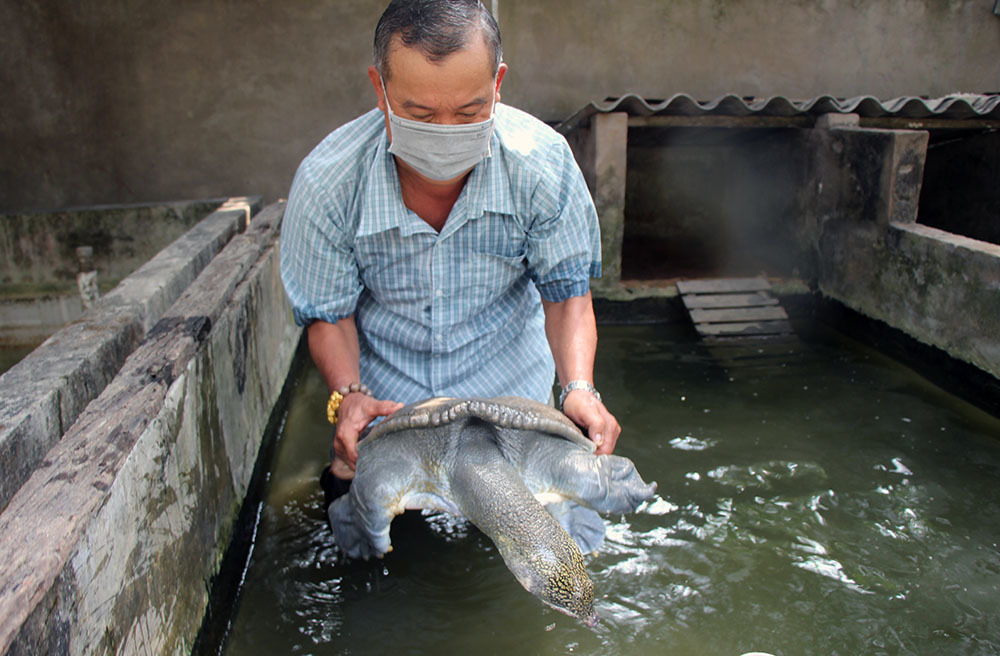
<point x="394" y="270"/>
<point x="498" y="256"/>
<point x="491" y="275"/>
<point x="497" y="235"/>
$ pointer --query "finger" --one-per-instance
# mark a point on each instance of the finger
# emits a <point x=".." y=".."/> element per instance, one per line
<point x="597" y="428"/>
<point x="345" y="454"/>
<point x="341" y="469"/>
<point x="384" y="408"/>
<point x="612" y="432"/>
<point x="345" y="445"/>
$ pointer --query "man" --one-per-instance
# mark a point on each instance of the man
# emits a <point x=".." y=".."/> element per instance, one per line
<point x="442" y="244"/>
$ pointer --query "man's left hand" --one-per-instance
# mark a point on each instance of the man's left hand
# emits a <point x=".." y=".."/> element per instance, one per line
<point x="586" y="411"/>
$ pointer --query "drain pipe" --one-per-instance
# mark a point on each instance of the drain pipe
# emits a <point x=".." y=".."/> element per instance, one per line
<point x="86" y="279"/>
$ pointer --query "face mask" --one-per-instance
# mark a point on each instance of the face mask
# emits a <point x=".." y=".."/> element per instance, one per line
<point x="439" y="152"/>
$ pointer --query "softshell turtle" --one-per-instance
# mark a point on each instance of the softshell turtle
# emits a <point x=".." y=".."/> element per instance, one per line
<point x="495" y="462"/>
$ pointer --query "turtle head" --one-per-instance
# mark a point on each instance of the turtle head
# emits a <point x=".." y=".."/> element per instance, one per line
<point x="571" y="591"/>
<point x="557" y="577"/>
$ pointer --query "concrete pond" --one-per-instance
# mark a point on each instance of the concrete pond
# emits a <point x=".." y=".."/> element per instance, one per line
<point x="46" y="257"/>
<point x="129" y="437"/>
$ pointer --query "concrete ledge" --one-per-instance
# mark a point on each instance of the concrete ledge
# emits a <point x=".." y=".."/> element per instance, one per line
<point x="953" y="292"/>
<point x="44" y="393"/>
<point x="37" y="247"/>
<point x="109" y="545"/>
<point x="939" y="288"/>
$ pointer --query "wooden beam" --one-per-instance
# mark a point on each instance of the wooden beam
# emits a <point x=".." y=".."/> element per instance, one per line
<point x="903" y="123"/>
<point x="729" y="315"/>
<point x="808" y="121"/>
<point x="745" y="329"/>
<point x="715" y="121"/>
<point x="722" y="285"/>
<point x="756" y="299"/>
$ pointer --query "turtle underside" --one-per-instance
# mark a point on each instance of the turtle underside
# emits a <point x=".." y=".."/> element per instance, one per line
<point x="495" y="462"/>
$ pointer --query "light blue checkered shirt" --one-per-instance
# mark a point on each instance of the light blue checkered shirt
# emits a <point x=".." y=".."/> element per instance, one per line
<point x="449" y="314"/>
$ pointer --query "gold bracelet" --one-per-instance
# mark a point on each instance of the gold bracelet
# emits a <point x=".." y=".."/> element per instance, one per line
<point x="333" y="405"/>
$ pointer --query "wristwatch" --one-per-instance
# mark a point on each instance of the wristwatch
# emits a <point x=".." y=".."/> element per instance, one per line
<point x="577" y="385"/>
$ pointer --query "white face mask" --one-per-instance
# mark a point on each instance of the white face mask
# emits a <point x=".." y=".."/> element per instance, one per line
<point x="439" y="152"/>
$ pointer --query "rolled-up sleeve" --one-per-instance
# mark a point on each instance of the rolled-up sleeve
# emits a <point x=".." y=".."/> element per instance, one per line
<point x="318" y="266"/>
<point x="564" y="238"/>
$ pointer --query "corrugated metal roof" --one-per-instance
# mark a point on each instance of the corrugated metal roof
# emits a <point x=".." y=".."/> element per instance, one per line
<point x="954" y="107"/>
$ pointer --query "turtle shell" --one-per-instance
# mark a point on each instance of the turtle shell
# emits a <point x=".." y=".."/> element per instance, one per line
<point x="511" y="412"/>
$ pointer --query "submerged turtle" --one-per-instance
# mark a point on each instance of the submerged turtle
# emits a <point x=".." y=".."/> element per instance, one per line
<point x="495" y="462"/>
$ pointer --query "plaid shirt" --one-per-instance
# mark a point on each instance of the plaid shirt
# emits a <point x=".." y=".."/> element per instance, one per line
<point x="449" y="314"/>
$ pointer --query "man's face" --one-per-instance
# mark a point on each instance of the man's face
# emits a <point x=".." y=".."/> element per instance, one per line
<point x="458" y="89"/>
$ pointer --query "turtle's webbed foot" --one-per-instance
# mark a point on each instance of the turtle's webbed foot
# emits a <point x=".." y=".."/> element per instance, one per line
<point x="349" y="532"/>
<point x="621" y="484"/>
<point x="584" y="525"/>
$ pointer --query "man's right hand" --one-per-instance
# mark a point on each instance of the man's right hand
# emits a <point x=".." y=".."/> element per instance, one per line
<point x="356" y="411"/>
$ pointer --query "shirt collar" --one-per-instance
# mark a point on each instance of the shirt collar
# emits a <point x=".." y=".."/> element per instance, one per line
<point x="381" y="199"/>
<point x="382" y="208"/>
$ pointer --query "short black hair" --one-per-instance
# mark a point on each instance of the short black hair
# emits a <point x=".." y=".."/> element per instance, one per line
<point x="436" y="27"/>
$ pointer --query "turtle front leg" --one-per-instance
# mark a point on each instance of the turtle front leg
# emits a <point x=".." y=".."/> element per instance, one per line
<point x="349" y="531"/>
<point x="362" y="517"/>
<point x="606" y="483"/>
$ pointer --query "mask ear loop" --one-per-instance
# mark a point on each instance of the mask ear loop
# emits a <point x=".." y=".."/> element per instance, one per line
<point x="385" y="96"/>
<point x="493" y="98"/>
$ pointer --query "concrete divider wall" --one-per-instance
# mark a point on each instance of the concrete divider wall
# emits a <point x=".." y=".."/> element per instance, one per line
<point x="38" y="264"/>
<point x="110" y="545"/>
<point x="873" y="256"/>
<point x="44" y="393"/>
<point x="37" y="248"/>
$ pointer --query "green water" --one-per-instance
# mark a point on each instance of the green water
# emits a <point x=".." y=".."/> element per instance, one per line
<point x="11" y="355"/>
<point x="819" y="501"/>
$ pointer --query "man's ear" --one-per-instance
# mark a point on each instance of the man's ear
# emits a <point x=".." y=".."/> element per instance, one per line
<point x="376" y="81"/>
<point x="501" y="71"/>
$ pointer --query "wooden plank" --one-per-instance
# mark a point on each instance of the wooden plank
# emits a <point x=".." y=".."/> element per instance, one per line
<point x="749" y="328"/>
<point x="905" y="123"/>
<point x="722" y="285"/>
<point x="736" y="349"/>
<point x="808" y="121"/>
<point x="756" y="299"/>
<point x="719" y="121"/>
<point x="731" y="315"/>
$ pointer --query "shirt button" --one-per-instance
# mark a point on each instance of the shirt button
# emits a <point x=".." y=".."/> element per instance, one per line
<point x="439" y="338"/>
<point x="439" y="293"/>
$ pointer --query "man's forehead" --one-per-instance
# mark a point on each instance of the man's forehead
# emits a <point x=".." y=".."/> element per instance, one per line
<point x="472" y="54"/>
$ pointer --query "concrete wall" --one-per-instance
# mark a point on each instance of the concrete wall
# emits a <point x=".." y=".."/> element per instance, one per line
<point x="41" y="396"/>
<point x="37" y="249"/>
<point x="135" y="101"/>
<point x="834" y="207"/>
<point x="873" y="255"/>
<point x="110" y="546"/>
<point x="39" y="293"/>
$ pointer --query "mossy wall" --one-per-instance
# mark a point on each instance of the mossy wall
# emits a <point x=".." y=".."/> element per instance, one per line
<point x="137" y="101"/>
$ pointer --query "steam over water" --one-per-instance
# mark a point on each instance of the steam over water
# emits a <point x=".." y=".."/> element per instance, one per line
<point x="814" y="499"/>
